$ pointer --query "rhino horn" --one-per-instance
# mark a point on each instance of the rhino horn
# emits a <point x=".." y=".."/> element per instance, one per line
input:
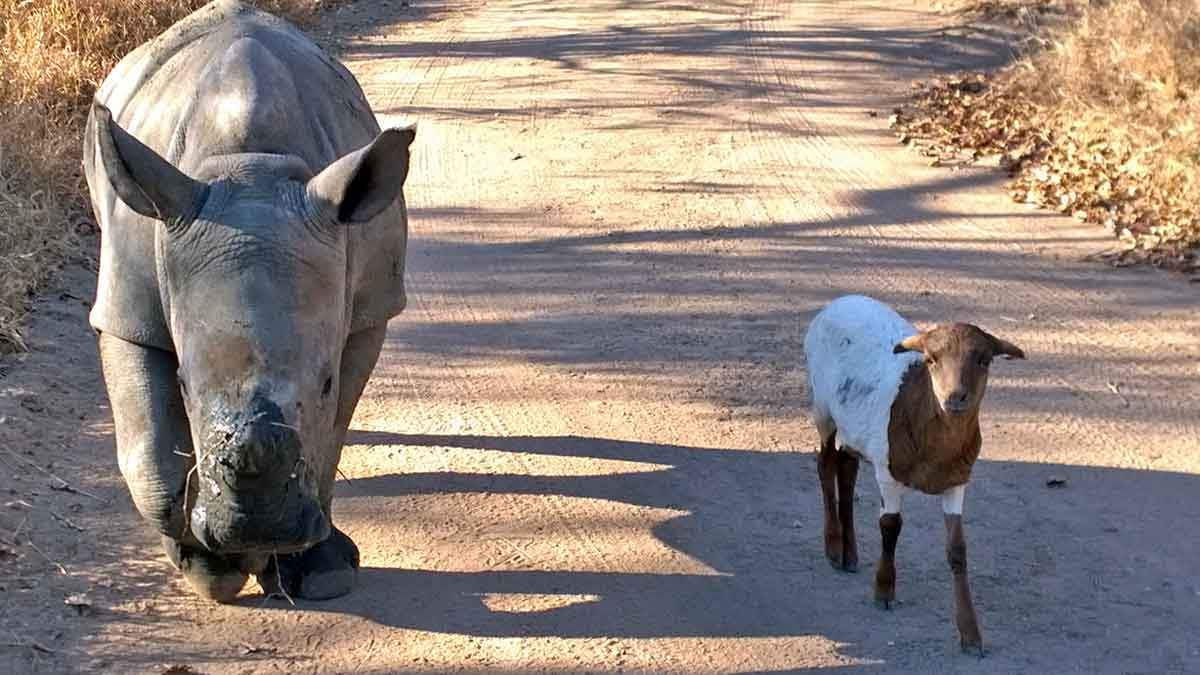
<point x="143" y="179"/>
<point x="363" y="183"/>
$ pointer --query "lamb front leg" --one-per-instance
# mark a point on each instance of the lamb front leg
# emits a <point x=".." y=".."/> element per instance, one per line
<point x="890" y="523"/>
<point x="956" y="556"/>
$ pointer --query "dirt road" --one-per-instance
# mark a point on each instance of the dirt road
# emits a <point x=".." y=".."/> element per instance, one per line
<point x="585" y="447"/>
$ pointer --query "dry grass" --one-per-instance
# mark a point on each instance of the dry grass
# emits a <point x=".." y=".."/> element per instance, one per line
<point x="1099" y="122"/>
<point x="53" y="55"/>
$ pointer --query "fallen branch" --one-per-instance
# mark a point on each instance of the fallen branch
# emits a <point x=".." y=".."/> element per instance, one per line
<point x="27" y="644"/>
<point x="65" y="521"/>
<point x="16" y="535"/>
<point x="35" y="646"/>
<point x="279" y="584"/>
<point x="62" y="486"/>
<point x="50" y="560"/>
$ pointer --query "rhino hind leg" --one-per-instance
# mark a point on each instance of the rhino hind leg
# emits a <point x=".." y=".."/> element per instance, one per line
<point x="325" y="571"/>
<point x="214" y="577"/>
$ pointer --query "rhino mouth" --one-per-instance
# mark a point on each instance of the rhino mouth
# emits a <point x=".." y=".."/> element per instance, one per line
<point x="252" y="524"/>
<point x="255" y="492"/>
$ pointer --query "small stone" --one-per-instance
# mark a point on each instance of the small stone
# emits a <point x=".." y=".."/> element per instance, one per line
<point x="79" y="601"/>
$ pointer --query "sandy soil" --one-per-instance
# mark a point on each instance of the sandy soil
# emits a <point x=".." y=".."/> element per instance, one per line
<point x="585" y="447"/>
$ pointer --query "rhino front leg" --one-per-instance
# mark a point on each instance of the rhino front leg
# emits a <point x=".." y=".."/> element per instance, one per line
<point x="154" y="443"/>
<point x="154" y="451"/>
<point x="215" y="577"/>
<point x="330" y="568"/>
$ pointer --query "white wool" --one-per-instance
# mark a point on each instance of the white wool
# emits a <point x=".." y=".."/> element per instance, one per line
<point x="853" y="375"/>
<point x="952" y="500"/>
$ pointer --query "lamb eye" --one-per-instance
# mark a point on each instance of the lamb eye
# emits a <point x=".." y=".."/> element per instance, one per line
<point x="930" y="360"/>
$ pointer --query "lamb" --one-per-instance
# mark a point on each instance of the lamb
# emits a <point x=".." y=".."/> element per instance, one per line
<point x="908" y="403"/>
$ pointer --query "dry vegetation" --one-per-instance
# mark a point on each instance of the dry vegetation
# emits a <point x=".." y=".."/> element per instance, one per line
<point x="53" y="55"/>
<point x="1098" y="120"/>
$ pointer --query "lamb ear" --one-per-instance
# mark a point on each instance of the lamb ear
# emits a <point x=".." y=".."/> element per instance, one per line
<point x="912" y="343"/>
<point x="143" y="179"/>
<point x="362" y="184"/>
<point x="1006" y="348"/>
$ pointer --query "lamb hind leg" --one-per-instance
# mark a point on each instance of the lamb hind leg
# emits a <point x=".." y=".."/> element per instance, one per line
<point x="847" y="474"/>
<point x="827" y="469"/>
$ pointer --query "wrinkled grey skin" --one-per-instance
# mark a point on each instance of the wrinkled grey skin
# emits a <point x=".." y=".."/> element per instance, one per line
<point x="253" y="240"/>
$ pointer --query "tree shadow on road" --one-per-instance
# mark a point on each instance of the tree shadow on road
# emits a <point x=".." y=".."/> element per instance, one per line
<point x="787" y="61"/>
<point x="1047" y="563"/>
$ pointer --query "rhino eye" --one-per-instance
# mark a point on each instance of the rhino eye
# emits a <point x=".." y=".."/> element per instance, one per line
<point x="328" y="387"/>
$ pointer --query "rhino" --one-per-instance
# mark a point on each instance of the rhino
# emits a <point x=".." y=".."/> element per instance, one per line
<point x="253" y="236"/>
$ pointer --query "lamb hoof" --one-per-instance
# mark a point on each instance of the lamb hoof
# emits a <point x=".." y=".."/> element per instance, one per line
<point x="850" y="566"/>
<point x="885" y="598"/>
<point x="835" y="560"/>
<point x="327" y="570"/>
<point x="973" y="649"/>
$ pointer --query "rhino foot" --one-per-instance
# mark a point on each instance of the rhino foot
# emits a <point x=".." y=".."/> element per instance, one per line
<point x="327" y="570"/>
<point x="211" y="576"/>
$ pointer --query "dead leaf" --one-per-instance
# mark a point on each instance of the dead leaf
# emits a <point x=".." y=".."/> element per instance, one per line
<point x="1087" y="164"/>
<point x="248" y="650"/>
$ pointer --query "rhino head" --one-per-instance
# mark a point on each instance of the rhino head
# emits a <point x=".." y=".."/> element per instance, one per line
<point x="252" y="266"/>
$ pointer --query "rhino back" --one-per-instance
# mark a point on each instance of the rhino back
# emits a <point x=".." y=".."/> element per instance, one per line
<point x="224" y="80"/>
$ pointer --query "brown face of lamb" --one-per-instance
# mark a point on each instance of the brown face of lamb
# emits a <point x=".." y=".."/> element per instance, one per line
<point x="958" y="357"/>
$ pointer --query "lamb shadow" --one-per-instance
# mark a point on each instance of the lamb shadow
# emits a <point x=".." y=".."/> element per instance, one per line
<point x="1071" y="561"/>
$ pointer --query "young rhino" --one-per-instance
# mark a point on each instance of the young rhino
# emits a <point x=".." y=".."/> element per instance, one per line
<point x="908" y="403"/>
<point x="252" y="252"/>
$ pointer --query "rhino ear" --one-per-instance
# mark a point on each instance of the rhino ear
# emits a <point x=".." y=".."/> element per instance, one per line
<point x="360" y="185"/>
<point x="145" y="181"/>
